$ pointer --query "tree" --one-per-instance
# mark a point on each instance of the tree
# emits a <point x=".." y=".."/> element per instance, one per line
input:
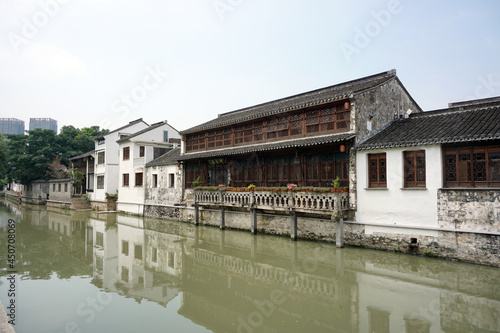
<point x="24" y="158"/>
<point x="76" y="176"/>
<point x="3" y="160"/>
<point x="30" y="155"/>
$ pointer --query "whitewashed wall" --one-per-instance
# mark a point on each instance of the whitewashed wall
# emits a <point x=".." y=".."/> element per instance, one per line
<point x="395" y="205"/>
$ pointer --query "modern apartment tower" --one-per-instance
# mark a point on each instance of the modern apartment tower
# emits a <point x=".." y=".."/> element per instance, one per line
<point x="11" y="126"/>
<point x="43" y="123"/>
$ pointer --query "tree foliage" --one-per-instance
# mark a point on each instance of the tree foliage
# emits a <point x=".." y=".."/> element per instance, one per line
<point x="24" y="158"/>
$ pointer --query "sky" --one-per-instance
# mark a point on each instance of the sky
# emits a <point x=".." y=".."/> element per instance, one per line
<point x="108" y="62"/>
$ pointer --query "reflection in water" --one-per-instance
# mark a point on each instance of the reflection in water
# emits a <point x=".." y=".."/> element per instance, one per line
<point x="164" y="273"/>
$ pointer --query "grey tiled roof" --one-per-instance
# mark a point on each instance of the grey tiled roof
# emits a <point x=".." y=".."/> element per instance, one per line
<point x="303" y="142"/>
<point x="168" y="158"/>
<point x="474" y="121"/>
<point x="307" y="99"/>
<point x="82" y="155"/>
<point x="147" y="129"/>
<point x="121" y="128"/>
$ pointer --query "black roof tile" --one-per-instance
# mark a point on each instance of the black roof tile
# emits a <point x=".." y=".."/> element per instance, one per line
<point x="168" y="158"/>
<point x="303" y="142"/>
<point x="464" y="123"/>
<point x="307" y="99"/>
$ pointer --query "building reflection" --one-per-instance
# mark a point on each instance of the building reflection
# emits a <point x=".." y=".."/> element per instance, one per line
<point x="229" y="281"/>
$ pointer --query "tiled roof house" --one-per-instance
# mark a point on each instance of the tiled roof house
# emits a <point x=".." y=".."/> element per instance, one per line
<point x="303" y="139"/>
<point x="437" y="170"/>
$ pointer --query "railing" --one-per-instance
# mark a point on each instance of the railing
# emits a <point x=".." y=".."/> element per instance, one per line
<point x="313" y="202"/>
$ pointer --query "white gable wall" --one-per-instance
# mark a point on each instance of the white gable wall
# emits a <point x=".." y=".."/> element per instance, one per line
<point x="110" y="168"/>
<point x="396" y="205"/>
<point x="131" y="197"/>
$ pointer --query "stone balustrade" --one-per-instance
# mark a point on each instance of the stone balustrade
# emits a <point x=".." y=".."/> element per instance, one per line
<point x="312" y="202"/>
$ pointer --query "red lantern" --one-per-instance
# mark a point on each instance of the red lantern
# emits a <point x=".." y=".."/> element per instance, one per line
<point x="346" y="105"/>
<point x="342" y="148"/>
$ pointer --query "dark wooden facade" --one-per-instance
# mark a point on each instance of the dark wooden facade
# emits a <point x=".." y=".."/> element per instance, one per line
<point x="315" y="165"/>
<point x="333" y="118"/>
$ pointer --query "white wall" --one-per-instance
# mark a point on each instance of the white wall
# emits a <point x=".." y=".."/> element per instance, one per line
<point x="131" y="198"/>
<point x="395" y="205"/>
<point x="110" y="169"/>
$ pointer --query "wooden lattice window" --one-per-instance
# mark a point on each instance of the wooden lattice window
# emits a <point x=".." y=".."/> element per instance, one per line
<point x="211" y="139"/>
<point x="258" y="131"/>
<point x="272" y="127"/>
<point x="192" y="172"/>
<point x="377" y="170"/>
<point x="296" y="124"/>
<point x="472" y="166"/>
<point x="219" y="138"/>
<point x="312" y="121"/>
<point x="414" y="168"/>
<point x="126" y="153"/>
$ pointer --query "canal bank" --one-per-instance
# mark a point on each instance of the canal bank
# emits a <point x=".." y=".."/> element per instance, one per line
<point x="472" y="246"/>
<point x="478" y="247"/>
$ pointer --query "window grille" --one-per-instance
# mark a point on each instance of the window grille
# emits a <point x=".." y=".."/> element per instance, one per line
<point x="471" y="166"/>
<point x="414" y="168"/>
<point x="377" y="170"/>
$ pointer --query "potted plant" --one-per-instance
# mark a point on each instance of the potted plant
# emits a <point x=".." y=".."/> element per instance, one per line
<point x="336" y="184"/>
<point x="251" y="187"/>
<point x="197" y="182"/>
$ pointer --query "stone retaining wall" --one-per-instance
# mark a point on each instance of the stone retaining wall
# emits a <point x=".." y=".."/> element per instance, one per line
<point x="455" y="245"/>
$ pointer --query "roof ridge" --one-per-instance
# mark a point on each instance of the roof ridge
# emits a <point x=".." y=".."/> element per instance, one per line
<point x="391" y="72"/>
<point x="457" y="109"/>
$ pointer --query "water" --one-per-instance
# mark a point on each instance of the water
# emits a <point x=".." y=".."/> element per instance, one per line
<point x="82" y="272"/>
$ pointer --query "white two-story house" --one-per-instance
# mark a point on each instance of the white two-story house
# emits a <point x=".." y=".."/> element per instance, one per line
<point x="136" y="150"/>
<point x="107" y="168"/>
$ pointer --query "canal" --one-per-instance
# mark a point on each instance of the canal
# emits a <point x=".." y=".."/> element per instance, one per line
<point x="89" y="272"/>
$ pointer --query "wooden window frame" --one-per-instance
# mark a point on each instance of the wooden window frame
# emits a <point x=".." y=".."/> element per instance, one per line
<point x="125" y="179"/>
<point x="380" y="170"/>
<point x="466" y="171"/>
<point x="139" y="179"/>
<point x="100" y="185"/>
<point x="142" y="151"/>
<point x="331" y="118"/>
<point x="101" y="157"/>
<point x="412" y="168"/>
<point x="126" y="153"/>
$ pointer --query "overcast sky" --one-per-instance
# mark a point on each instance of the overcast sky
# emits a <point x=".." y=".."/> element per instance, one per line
<point x="107" y="62"/>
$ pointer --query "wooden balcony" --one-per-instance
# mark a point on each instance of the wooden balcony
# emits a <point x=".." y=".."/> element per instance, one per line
<point x="325" y="203"/>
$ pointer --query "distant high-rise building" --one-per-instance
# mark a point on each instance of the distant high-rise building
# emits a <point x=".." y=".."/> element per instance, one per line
<point x="43" y="123"/>
<point x="11" y="126"/>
